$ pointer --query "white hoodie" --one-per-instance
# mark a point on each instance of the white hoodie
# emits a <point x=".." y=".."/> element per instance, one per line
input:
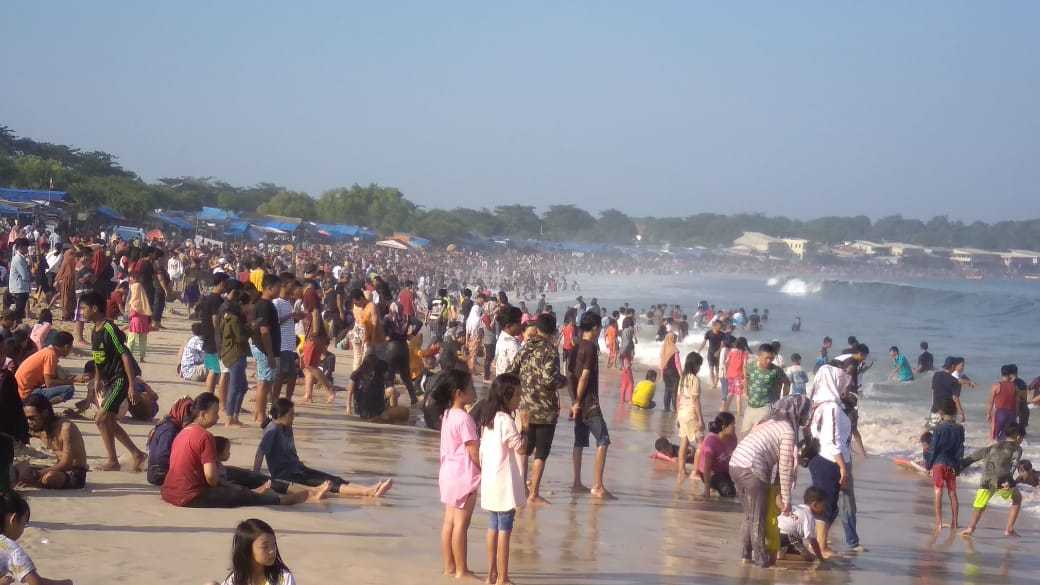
<point x="830" y="425"/>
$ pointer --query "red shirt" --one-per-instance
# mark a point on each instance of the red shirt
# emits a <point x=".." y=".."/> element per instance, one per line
<point x="407" y="300"/>
<point x="193" y="448"/>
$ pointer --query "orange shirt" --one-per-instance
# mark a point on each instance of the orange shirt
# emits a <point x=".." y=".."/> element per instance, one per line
<point x="369" y="321"/>
<point x="611" y="336"/>
<point x="30" y="374"/>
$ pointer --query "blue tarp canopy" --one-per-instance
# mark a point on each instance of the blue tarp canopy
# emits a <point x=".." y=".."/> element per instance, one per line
<point x="26" y="195"/>
<point x="215" y="214"/>
<point x="367" y="234"/>
<point x="110" y="213"/>
<point x="338" y="230"/>
<point x="285" y="224"/>
<point x="418" y="242"/>
<point x="8" y="210"/>
<point x="177" y="222"/>
<point x="237" y="228"/>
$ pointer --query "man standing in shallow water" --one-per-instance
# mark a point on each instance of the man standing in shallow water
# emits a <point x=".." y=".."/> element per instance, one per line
<point x="586" y="411"/>
<point x="538" y="365"/>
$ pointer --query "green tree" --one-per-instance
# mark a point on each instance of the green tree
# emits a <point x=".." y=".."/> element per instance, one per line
<point x="34" y="172"/>
<point x="615" y="227"/>
<point x="384" y="209"/>
<point x="290" y="204"/>
<point x="479" y="221"/>
<point x="440" y="225"/>
<point x="519" y="221"/>
<point x="568" y="222"/>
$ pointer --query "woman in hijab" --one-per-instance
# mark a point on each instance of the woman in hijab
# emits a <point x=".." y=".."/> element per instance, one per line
<point x="160" y="441"/>
<point x="670" y="368"/>
<point x="831" y="468"/>
<point x="773" y="443"/>
<point x="65" y="282"/>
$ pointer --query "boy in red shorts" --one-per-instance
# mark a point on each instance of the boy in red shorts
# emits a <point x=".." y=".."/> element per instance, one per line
<point x="943" y="460"/>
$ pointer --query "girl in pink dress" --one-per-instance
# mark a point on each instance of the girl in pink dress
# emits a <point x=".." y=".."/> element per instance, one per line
<point x="459" y="476"/>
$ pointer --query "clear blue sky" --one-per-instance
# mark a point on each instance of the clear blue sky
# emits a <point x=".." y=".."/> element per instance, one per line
<point x="666" y="108"/>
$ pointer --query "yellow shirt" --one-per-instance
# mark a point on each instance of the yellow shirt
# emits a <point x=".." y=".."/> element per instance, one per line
<point x="644" y="394"/>
<point x="257" y="278"/>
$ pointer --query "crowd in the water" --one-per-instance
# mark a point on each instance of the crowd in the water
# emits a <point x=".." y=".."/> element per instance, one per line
<point x="447" y="327"/>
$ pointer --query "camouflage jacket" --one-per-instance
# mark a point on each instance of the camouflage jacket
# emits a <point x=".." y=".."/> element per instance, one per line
<point x="538" y="365"/>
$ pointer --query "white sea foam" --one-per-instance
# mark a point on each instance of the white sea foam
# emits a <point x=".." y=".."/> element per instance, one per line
<point x="797" y="287"/>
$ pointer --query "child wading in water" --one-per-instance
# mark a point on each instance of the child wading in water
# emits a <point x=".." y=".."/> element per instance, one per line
<point x="254" y="557"/>
<point x="999" y="461"/>
<point x="502" y="487"/>
<point x="14" y="562"/>
<point x="943" y="459"/>
<point x="460" y="467"/>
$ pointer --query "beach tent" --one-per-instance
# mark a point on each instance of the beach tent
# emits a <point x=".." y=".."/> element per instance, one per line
<point x="215" y="214"/>
<point x="236" y="228"/>
<point x="29" y="195"/>
<point x="394" y="244"/>
<point x="173" y="220"/>
<point x="109" y="213"/>
<point x="281" y="225"/>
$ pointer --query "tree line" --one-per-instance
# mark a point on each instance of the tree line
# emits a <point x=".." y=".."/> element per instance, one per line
<point x="94" y="178"/>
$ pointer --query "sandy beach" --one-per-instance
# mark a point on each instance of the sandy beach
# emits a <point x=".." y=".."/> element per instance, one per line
<point x="118" y="530"/>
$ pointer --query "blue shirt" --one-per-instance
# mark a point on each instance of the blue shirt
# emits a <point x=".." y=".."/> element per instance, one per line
<point x="279" y="447"/>
<point x="947" y="445"/>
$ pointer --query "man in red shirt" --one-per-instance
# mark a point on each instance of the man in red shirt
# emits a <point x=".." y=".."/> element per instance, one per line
<point x="194" y="480"/>
<point x="406" y="298"/>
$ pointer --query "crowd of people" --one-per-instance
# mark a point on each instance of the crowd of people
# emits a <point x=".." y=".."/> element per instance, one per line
<point x="443" y="324"/>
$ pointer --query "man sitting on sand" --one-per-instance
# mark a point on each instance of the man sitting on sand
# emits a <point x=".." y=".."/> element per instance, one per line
<point x="62" y="437"/>
<point x="39" y="374"/>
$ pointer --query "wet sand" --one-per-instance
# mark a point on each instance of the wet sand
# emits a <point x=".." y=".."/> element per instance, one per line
<point x="118" y="530"/>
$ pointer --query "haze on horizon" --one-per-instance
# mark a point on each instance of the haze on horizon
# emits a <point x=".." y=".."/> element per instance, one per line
<point x="671" y="108"/>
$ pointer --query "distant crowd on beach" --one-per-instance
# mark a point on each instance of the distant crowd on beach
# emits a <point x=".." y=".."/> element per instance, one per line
<point x="493" y="374"/>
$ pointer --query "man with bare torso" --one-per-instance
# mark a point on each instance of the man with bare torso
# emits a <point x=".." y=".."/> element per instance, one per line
<point x="61" y="436"/>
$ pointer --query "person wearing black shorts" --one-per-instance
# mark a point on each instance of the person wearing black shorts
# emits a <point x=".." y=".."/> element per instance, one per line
<point x="586" y="411"/>
<point x="713" y="339"/>
<point x="114" y="368"/>
<point x="538" y="365"/>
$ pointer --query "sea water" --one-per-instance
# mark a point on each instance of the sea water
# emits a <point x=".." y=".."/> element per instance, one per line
<point x="989" y="323"/>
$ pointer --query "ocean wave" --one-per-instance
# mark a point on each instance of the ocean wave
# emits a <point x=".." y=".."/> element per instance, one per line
<point x="978" y="303"/>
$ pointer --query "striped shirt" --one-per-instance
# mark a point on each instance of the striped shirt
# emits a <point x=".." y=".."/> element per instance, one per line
<point x="769" y="445"/>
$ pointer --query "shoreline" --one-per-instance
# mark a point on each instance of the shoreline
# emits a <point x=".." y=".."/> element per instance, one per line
<point x="130" y="535"/>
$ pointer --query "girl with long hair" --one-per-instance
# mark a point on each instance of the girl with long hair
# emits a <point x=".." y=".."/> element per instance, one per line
<point x="502" y="487"/>
<point x="688" y="412"/>
<point x="459" y="475"/>
<point x="670" y="370"/>
<point x="255" y="559"/>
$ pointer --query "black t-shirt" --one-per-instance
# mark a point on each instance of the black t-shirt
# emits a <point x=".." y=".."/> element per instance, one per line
<point x="944" y="386"/>
<point x="266" y="315"/>
<point x="208" y="308"/>
<point x="588" y="359"/>
<point x="464" y="309"/>
<point x="370" y="388"/>
<point x="714" y="341"/>
<point x="109" y="345"/>
<point x="925" y="362"/>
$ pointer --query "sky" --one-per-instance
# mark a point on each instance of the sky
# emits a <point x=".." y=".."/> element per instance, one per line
<point x="658" y="108"/>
